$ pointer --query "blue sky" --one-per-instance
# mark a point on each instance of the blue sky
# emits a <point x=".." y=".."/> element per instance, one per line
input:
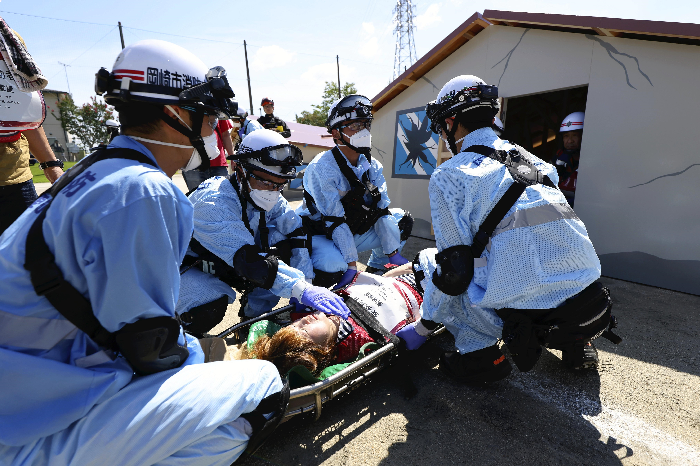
<point x="291" y="45"/>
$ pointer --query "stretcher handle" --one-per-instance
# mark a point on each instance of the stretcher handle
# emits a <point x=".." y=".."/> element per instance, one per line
<point x="274" y="312"/>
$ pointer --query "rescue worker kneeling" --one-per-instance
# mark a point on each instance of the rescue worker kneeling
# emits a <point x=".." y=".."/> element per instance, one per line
<point x="346" y="202"/>
<point x="515" y="261"/>
<point x="247" y="236"/>
<point x="89" y="279"/>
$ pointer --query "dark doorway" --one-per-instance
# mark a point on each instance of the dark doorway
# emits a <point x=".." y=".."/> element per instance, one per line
<point x="533" y="121"/>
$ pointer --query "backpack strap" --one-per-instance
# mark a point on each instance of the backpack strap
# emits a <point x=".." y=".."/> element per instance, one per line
<point x="47" y="278"/>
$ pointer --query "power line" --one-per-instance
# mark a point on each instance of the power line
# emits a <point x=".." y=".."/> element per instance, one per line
<point x="56" y="19"/>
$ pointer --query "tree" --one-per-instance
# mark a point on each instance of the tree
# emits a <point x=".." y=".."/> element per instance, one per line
<point x="86" y="123"/>
<point x="318" y="116"/>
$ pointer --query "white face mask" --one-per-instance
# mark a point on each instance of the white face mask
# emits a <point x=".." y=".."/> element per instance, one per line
<point x="361" y="139"/>
<point x="211" y="146"/>
<point x="266" y="200"/>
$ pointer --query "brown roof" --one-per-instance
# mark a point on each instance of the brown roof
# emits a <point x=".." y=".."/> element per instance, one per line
<point x="684" y="33"/>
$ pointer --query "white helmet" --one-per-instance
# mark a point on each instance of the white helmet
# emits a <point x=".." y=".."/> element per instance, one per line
<point x="22" y="110"/>
<point x="572" y="122"/>
<point x="350" y="107"/>
<point x="159" y="72"/>
<point x="467" y="97"/>
<point x="268" y="151"/>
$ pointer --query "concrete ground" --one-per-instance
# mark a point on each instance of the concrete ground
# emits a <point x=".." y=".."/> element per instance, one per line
<point x="640" y="408"/>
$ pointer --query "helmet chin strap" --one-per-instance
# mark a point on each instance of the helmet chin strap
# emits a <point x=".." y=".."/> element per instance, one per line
<point x="245" y="189"/>
<point x="451" y="138"/>
<point x="366" y="151"/>
<point x="194" y="136"/>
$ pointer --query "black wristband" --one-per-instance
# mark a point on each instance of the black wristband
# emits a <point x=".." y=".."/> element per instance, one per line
<point x="51" y="163"/>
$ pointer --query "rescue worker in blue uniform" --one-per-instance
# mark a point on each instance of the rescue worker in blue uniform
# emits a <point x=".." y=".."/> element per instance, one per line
<point x="514" y="262"/>
<point x="346" y="201"/>
<point x="89" y="279"/>
<point x="243" y="215"/>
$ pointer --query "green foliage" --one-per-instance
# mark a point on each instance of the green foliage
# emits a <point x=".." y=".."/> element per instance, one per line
<point x="318" y="116"/>
<point x="86" y="122"/>
<point x="38" y="173"/>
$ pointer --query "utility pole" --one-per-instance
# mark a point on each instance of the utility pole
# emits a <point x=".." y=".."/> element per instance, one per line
<point x="64" y="69"/>
<point x="337" y="61"/>
<point x="121" y="33"/>
<point x="405" y="52"/>
<point x="247" y="72"/>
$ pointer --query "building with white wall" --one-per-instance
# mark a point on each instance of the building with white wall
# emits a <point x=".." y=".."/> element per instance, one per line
<point x="637" y="189"/>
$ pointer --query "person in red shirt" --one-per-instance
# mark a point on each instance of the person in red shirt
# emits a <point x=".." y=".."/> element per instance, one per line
<point x="218" y="166"/>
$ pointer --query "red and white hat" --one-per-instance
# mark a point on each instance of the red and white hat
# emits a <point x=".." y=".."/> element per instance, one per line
<point x="572" y="122"/>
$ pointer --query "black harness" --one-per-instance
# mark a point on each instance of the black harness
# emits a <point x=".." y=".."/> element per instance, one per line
<point x="47" y="278"/>
<point x="209" y="262"/>
<point x="150" y="345"/>
<point x="360" y="215"/>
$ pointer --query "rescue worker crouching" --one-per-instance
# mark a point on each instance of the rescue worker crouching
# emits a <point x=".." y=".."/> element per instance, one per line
<point x="514" y="261"/>
<point x="90" y="279"/>
<point x="346" y="201"/>
<point x="247" y="236"/>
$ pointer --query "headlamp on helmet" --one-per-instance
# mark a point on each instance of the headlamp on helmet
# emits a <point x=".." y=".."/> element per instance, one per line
<point x="351" y="107"/>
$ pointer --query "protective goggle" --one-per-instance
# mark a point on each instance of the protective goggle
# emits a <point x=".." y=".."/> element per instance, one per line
<point x="286" y="156"/>
<point x="270" y="185"/>
<point x="358" y="125"/>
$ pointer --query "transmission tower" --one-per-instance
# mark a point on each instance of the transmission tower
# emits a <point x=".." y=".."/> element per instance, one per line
<point x="405" y="53"/>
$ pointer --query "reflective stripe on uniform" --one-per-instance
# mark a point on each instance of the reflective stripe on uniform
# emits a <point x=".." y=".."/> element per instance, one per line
<point x="535" y="216"/>
<point x="45" y="333"/>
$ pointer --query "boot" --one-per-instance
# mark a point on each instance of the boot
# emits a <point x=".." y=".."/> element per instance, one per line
<point x="483" y="366"/>
<point x="580" y="356"/>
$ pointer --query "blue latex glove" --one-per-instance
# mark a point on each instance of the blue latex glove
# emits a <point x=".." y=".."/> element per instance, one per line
<point x="411" y="337"/>
<point x="325" y="301"/>
<point x="346" y="278"/>
<point x="398" y="259"/>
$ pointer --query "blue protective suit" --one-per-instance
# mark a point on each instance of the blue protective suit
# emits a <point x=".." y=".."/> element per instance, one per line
<point x="538" y="256"/>
<point x="118" y="233"/>
<point x="326" y="184"/>
<point x="219" y="227"/>
<point x="248" y="126"/>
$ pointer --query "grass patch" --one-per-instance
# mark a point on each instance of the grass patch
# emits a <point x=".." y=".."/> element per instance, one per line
<point x="38" y="174"/>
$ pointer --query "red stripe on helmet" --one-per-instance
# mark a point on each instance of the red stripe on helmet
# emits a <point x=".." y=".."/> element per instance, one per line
<point x="129" y="72"/>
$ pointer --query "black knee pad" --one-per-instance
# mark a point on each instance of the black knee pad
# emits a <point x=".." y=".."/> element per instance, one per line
<point x="150" y="345"/>
<point x="326" y="279"/>
<point x="199" y="320"/>
<point x="406" y="225"/>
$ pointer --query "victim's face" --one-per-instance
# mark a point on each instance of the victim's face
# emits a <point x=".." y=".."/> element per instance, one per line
<point x="318" y="327"/>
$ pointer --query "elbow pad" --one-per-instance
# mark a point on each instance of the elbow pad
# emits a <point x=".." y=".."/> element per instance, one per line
<point x="150" y="345"/>
<point x="249" y="264"/>
<point x="456" y="270"/>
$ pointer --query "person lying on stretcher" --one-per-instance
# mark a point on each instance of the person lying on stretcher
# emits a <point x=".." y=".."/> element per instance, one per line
<point x="315" y="340"/>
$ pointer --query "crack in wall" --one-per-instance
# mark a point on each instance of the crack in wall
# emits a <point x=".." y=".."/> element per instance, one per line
<point x="431" y="83"/>
<point x="612" y="50"/>
<point x="664" y="176"/>
<point x="380" y="151"/>
<point x="507" y="57"/>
